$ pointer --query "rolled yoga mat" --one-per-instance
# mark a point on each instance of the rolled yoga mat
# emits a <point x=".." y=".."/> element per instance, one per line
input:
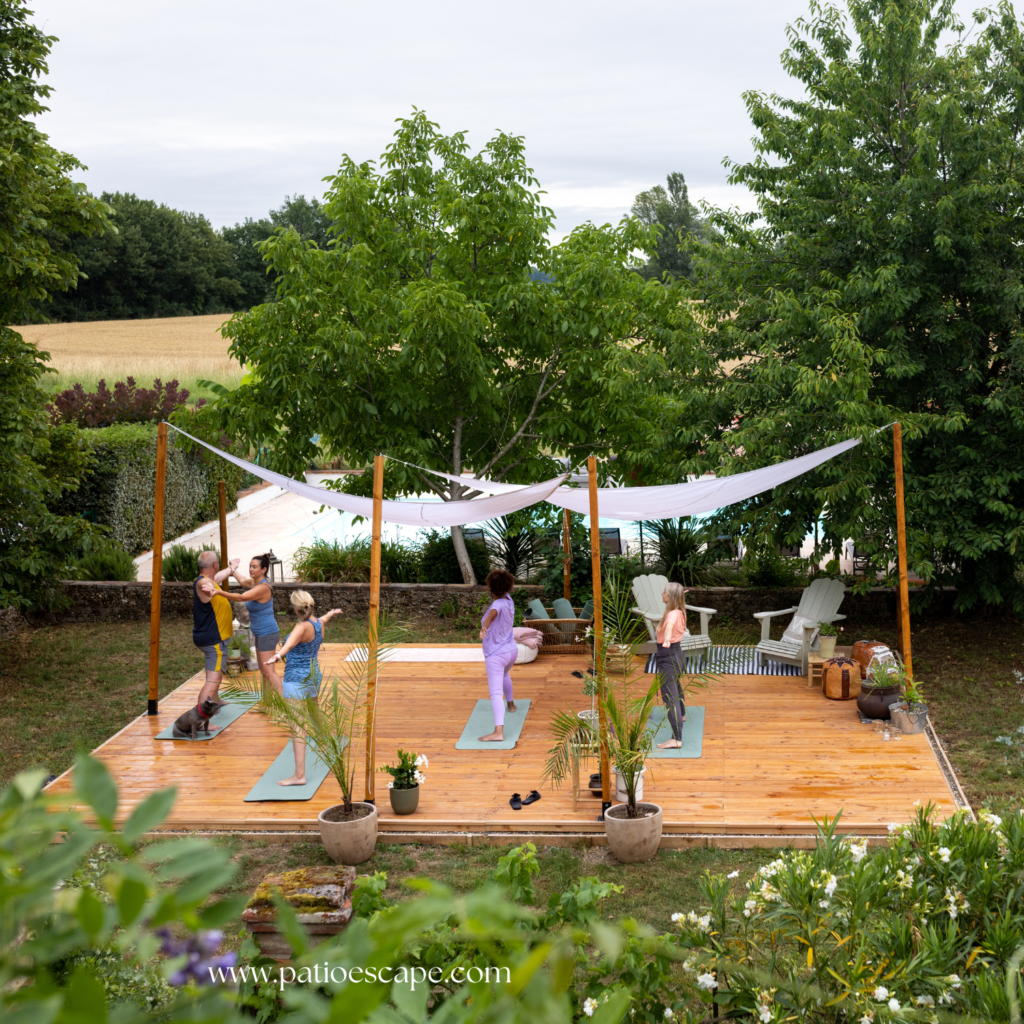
<point x="283" y="766"/>
<point x="481" y="722"/>
<point x="693" y="733"/>
<point x="229" y="713"/>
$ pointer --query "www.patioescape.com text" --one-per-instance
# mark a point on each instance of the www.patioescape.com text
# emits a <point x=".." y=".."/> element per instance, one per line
<point x="321" y="974"/>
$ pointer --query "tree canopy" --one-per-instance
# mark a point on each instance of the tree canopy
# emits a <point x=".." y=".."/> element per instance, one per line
<point x="879" y="279"/>
<point x="37" y="462"/>
<point x="440" y="325"/>
<point x="676" y="220"/>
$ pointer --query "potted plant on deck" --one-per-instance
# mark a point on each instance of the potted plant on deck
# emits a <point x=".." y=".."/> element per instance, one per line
<point x="406" y="779"/>
<point x="828" y="635"/>
<point x="333" y="722"/>
<point x="883" y="685"/>
<point x="911" y="713"/>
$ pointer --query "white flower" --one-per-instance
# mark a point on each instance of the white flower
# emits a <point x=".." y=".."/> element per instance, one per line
<point x="954" y="980"/>
<point x="733" y="874"/>
<point x="858" y="851"/>
<point x="419" y="777"/>
<point x="823" y="904"/>
<point x="830" y="886"/>
<point x="668" y="1013"/>
<point x="677" y="917"/>
<point x="391" y="785"/>
<point x="749" y="907"/>
<point x="945" y="999"/>
<point x="868" y="1018"/>
<point x="924" y="1001"/>
<point x="704" y="922"/>
<point x="688" y="965"/>
<point x="990" y="819"/>
<point x="944" y="852"/>
<point x="421" y="761"/>
<point x="766" y="1014"/>
<point x="706" y="981"/>
<point x="894" y="1004"/>
<point x="893" y="826"/>
<point x="881" y="993"/>
<point x="589" y="1006"/>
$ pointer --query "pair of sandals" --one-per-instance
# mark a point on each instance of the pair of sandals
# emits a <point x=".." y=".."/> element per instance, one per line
<point x="518" y="803"/>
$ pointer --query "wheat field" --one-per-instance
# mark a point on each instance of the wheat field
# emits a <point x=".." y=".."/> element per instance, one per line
<point x="182" y="348"/>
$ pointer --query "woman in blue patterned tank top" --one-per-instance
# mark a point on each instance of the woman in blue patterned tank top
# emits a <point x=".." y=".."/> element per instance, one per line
<point x="302" y="670"/>
<point x="259" y="602"/>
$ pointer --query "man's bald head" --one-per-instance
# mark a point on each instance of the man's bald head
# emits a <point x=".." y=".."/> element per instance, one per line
<point x="208" y="560"/>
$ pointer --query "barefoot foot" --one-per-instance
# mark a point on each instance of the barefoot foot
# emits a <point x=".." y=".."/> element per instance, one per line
<point x="295" y="780"/>
<point x="670" y="745"/>
<point x="494" y="737"/>
<point x="511" y="706"/>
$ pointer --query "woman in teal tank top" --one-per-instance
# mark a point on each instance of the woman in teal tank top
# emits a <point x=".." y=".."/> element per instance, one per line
<point x="302" y="670"/>
<point x="259" y="602"/>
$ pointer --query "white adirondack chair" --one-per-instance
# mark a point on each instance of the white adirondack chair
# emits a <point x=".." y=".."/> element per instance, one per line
<point x="648" y="590"/>
<point x="819" y="603"/>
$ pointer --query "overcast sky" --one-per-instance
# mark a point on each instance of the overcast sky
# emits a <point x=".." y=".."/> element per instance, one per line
<point x="224" y="106"/>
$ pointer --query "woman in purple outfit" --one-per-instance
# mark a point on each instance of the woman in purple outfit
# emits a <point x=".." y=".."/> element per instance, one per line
<point x="499" y="648"/>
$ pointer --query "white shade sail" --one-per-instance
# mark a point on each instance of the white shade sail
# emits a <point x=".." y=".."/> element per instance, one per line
<point x="672" y="500"/>
<point x="440" y="514"/>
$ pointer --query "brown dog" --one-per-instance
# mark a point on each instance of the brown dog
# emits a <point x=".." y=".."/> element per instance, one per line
<point x="196" y="719"/>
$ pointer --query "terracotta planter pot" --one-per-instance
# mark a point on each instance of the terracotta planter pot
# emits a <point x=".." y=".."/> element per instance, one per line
<point x="633" y="840"/>
<point x="874" y="701"/>
<point x="349" y="842"/>
<point x="404" y="801"/>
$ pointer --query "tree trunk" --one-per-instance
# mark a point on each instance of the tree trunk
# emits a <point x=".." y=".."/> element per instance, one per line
<point x="468" y="576"/>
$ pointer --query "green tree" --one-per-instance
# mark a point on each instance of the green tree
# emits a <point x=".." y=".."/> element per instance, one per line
<point x="879" y="279"/>
<point x="37" y="462"/>
<point x="258" y="280"/>
<point x="423" y="330"/>
<point x="152" y="261"/>
<point x="676" y="220"/>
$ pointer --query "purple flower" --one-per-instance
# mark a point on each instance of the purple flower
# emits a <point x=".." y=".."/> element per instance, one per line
<point x="202" y="965"/>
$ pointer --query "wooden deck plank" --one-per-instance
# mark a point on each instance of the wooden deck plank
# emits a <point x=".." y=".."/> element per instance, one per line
<point x="775" y="753"/>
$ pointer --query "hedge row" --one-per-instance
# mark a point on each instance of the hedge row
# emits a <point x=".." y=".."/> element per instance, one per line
<point x="119" y="491"/>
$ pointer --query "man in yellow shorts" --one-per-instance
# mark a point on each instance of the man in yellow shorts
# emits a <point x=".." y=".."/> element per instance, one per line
<point x="211" y="621"/>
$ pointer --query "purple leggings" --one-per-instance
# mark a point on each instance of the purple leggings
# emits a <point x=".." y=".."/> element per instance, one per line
<point x="499" y="682"/>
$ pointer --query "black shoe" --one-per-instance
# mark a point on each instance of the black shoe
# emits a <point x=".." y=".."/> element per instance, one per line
<point x="516" y="802"/>
<point x="532" y="798"/>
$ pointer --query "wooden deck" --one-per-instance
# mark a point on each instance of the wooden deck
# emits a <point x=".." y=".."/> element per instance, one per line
<point x="775" y="754"/>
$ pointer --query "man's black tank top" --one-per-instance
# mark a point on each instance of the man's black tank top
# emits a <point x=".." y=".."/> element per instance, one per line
<point x="205" y="631"/>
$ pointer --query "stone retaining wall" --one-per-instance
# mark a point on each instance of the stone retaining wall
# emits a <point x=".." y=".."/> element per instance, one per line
<point x="125" y="601"/>
<point x="11" y="622"/>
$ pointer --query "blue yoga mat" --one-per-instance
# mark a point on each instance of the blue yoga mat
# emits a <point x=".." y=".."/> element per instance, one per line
<point x="283" y="766"/>
<point x="227" y="714"/>
<point x="481" y="722"/>
<point x="693" y="733"/>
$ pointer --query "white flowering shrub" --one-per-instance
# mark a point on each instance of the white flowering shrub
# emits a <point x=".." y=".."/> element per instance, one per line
<point x="928" y="925"/>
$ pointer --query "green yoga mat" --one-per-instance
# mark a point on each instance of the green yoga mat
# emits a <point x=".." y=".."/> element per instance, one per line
<point x="283" y="766"/>
<point x="227" y="714"/>
<point x="481" y="722"/>
<point x="693" y="733"/>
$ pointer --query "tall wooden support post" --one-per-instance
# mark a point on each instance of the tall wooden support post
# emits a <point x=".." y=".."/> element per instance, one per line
<point x="158" y="567"/>
<point x="566" y="554"/>
<point x="371" y="654"/>
<point x="222" y="511"/>
<point x="901" y="540"/>
<point x="595" y="563"/>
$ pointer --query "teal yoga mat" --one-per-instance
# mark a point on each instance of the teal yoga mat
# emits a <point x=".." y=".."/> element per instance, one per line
<point x="481" y="722"/>
<point x="283" y="766"/>
<point x="693" y="733"/>
<point x="227" y="714"/>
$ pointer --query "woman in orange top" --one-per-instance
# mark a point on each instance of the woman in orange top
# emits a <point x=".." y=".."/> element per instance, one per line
<point x="671" y="660"/>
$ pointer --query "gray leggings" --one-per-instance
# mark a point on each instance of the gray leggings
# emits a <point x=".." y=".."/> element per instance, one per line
<point x="672" y="661"/>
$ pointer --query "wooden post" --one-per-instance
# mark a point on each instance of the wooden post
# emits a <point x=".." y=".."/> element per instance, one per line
<point x="566" y="554"/>
<point x="371" y="654"/>
<point x="222" y="508"/>
<point x="901" y="540"/>
<point x="158" y="566"/>
<point x="595" y="564"/>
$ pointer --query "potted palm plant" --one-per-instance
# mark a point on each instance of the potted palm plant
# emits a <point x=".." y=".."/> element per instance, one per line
<point x="406" y="779"/>
<point x="332" y="722"/>
<point x="627" y="699"/>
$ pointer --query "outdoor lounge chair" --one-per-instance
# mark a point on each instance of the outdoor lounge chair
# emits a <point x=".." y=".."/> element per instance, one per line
<point x="648" y="590"/>
<point x="819" y="603"/>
